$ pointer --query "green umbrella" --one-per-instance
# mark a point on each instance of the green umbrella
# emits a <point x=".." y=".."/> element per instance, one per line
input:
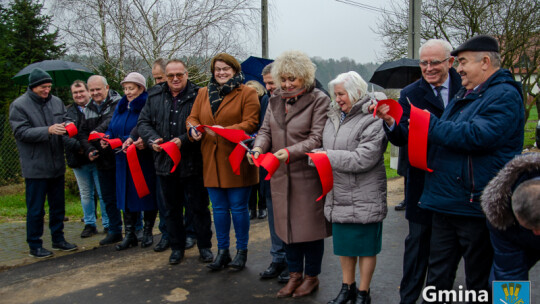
<point x="62" y="72"/>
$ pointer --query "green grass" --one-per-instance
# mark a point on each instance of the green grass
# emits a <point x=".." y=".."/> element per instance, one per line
<point x="530" y="129"/>
<point x="390" y="173"/>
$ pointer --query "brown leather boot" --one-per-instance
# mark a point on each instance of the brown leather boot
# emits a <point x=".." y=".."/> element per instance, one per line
<point x="294" y="282"/>
<point x="309" y="285"/>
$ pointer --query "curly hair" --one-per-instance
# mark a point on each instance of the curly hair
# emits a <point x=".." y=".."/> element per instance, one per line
<point x="257" y="86"/>
<point x="296" y="64"/>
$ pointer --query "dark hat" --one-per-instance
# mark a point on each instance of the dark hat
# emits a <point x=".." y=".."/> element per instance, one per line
<point x="480" y="43"/>
<point x="38" y="77"/>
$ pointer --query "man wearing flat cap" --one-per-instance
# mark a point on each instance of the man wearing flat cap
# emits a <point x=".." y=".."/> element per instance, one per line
<point x="478" y="133"/>
<point x="38" y="121"/>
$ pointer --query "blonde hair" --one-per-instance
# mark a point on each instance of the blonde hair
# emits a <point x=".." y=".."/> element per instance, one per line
<point x="296" y="64"/>
<point x="257" y="86"/>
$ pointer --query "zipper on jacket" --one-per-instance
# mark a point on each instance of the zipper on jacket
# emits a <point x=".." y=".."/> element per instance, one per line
<point x="471" y="177"/>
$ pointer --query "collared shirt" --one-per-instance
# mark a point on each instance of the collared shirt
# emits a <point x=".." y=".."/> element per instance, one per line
<point x="444" y="91"/>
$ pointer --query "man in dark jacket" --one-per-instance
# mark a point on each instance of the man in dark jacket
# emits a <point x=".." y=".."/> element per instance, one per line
<point x="38" y="121"/>
<point x="511" y="202"/>
<point x="479" y="132"/>
<point x="84" y="170"/>
<point x="97" y="116"/>
<point x="163" y="119"/>
<point x="437" y="76"/>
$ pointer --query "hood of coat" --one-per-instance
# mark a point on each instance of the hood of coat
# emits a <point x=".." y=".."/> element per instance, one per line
<point x="361" y="106"/>
<point x="496" y="198"/>
<point x="136" y="104"/>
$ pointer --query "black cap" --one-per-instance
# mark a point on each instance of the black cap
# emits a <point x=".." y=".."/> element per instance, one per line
<point x="480" y="43"/>
<point x="38" y="77"/>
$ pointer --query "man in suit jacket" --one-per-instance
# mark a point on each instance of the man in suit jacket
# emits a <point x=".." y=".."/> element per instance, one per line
<point x="437" y="76"/>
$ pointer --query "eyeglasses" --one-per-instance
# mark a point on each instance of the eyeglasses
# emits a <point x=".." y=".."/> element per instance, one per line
<point x="177" y="75"/>
<point x="433" y="62"/>
<point x="224" y="69"/>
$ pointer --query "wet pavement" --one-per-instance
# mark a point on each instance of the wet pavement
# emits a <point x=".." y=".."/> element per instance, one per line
<point x="100" y="274"/>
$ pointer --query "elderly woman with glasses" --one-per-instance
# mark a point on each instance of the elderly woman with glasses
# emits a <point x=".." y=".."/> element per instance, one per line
<point x="354" y="142"/>
<point x="293" y="125"/>
<point x="226" y="103"/>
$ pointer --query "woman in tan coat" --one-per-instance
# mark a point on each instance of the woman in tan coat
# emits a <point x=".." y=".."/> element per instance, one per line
<point x="226" y="103"/>
<point x="293" y="125"/>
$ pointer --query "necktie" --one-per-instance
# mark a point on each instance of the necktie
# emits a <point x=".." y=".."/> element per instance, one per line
<point x="439" y="96"/>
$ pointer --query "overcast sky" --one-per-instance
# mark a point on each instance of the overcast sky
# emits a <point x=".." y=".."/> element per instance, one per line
<point x="325" y="28"/>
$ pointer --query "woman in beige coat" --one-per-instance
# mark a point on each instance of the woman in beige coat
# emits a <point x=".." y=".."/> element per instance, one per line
<point x="292" y="127"/>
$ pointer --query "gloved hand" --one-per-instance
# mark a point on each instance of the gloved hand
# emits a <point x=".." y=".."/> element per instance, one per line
<point x="257" y="151"/>
<point x="282" y="155"/>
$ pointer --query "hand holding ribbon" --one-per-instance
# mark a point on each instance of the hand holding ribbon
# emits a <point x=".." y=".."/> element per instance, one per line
<point x="71" y="129"/>
<point x="389" y="110"/>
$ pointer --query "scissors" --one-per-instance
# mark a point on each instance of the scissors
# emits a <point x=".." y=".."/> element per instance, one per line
<point x="191" y="126"/>
<point x="244" y="144"/>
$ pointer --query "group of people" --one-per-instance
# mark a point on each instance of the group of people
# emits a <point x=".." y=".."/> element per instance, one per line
<point x="475" y="128"/>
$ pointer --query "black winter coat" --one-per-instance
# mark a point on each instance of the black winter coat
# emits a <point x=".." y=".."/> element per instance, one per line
<point x="75" y="155"/>
<point x="154" y="122"/>
<point x="97" y="119"/>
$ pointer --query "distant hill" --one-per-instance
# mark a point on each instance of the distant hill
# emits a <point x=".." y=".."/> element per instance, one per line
<point x="328" y="69"/>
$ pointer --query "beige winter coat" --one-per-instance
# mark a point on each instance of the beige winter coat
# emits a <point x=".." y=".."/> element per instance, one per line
<point x="296" y="186"/>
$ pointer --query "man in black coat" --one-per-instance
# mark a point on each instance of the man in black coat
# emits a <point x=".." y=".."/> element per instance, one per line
<point x="437" y="76"/>
<point x="97" y="116"/>
<point x="163" y="119"/>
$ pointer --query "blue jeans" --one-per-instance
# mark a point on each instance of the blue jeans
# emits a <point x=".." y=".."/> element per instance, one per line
<point x="37" y="189"/>
<point x="107" y="181"/>
<point x="88" y="181"/>
<point x="277" y="250"/>
<point x="227" y="202"/>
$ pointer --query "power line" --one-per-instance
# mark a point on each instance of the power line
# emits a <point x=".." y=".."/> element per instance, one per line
<point x="366" y="7"/>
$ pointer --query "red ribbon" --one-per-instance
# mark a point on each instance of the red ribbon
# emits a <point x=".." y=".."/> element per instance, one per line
<point x="234" y="136"/>
<point x="322" y="163"/>
<point x="173" y="152"/>
<point x="71" y="129"/>
<point x="396" y="111"/>
<point x="418" y="138"/>
<point x="269" y="162"/>
<point x="114" y="143"/>
<point x="136" y="172"/>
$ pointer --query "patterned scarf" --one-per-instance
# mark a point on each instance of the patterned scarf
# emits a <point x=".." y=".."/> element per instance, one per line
<point x="216" y="93"/>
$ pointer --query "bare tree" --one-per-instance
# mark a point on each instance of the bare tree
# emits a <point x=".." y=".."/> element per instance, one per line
<point x="126" y="35"/>
<point x="515" y="23"/>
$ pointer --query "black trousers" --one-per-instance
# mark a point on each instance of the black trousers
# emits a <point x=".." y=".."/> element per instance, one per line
<point x="179" y="192"/>
<point x="464" y="236"/>
<point x="415" y="262"/>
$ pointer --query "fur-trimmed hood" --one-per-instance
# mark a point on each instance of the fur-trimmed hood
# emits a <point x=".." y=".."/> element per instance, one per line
<point x="496" y="198"/>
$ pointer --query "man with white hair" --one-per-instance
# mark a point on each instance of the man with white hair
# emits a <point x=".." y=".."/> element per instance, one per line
<point x="438" y="85"/>
<point x="97" y="116"/>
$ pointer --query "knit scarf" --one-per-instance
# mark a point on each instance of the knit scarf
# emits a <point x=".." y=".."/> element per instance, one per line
<point x="217" y="93"/>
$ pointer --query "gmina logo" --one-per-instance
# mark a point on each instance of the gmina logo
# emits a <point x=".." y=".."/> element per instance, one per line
<point x="431" y="294"/>
<point x="511" y="292"/>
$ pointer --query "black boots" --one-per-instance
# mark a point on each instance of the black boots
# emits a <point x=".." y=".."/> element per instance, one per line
<point x="223" y="258"/>
<point x="149" y="220"/>
<point x="363" y="297"/>
<point x="130" y="239"/>
<point x="347" y="293"/>
<point x="240" y="259"/>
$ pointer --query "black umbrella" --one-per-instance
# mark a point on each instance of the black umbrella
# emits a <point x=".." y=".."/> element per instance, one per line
<point x="62" y="72"/>
<point x="397" y="74"/>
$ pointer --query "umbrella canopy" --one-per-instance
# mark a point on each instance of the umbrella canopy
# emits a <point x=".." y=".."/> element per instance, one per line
<point x="253" y="66"/>
<point x="62" y="72"/>
<point x="397" y="74"/>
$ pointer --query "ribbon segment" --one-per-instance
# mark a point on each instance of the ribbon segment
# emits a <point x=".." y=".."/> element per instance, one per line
<point x="396" y="111"/>
<point x="136" y="172"/>
<point x="269" y="162"/>
<point x="418" y="138"/>
<point x="322" y="163"/>
<point x="71" y="129"/>
<point x="173" y="152"/>
<point x="234" y="136"/>
<point x="114" y="143"/>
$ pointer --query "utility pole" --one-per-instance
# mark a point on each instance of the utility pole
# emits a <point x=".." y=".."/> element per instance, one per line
<point x="264" y="27"/>
<point x="415" y="12"/>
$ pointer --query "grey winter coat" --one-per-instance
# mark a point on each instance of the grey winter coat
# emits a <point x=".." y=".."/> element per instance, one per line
<point x="41" y="154"/>
<point x="355" y="149"/>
